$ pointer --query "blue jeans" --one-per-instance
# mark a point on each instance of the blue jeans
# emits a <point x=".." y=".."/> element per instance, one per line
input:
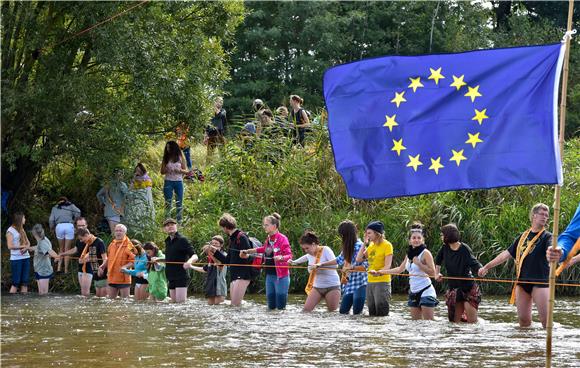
<point x="277" y="291"/>
<point x="168" y="188"/>
<point x="187" y="154"/>
<point x="355" y="300"/>
<point x="20" y="269"/>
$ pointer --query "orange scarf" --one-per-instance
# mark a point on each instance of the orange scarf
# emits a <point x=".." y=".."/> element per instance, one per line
<point x="86" y="250"/>
<point x="312" y="276"/>
<point x="521" y="254"/>
<point x="571" y="254"/>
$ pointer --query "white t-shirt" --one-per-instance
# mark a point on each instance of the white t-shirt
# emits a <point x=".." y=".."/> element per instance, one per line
<point x="418" y="279"/>
<point x="15" y="253"/>
<point x="324" y="278"/>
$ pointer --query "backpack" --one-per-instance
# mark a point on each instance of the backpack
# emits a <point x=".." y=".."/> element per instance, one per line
<point x="256" y="260"/>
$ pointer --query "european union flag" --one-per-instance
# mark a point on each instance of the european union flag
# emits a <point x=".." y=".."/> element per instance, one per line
<point x="406" y="125"/>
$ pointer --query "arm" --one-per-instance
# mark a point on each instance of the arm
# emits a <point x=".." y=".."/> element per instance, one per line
<point x="300" y="260"/>
<point x="362" y="254"/>
<point x="189" y="263"/>
<point x="198" y="269"/>
<point x="101" y="195"/>
<point x="388" y="261"/>
<point x="163" y="169"/>
<point x="305" y="120"/>
<point x="52" y="221"/>
<point x="501" y="258"/>
<point x="427" y="264"/>
<point x="390" y="271"/>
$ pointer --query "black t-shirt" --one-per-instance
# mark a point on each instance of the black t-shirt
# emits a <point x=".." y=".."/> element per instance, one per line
<point x="269" y="259"/>
<point x="458" y="263"/>
<point x="237" y="243"/>
<point x="177" y="249"/>
<point x="535" y="266"/>
<point x="96" y="249"/>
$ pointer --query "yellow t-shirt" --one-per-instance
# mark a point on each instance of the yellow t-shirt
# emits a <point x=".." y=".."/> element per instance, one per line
<point x="376" y="254"/>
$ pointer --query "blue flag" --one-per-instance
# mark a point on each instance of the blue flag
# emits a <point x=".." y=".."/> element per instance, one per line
<point x="406" y="125"/>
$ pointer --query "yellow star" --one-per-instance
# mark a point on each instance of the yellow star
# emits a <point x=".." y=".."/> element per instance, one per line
<point x="480" y="115"/>
<point x="473" y="139"/>
<point x="458" y="82"/>
<point x="436" y="165"/>
<point x="473" y="93"/>
<point x="458" y="156"/>
<point x="399" y="98"/>
<point x="436" y="75"/>
<point x="398" y="146"/>
<point x="414" y="162"/>
<point x="390" y="123"/>
<point x="415" y="83"/>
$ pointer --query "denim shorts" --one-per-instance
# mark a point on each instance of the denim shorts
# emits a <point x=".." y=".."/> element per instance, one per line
<point x="426" y="301"/>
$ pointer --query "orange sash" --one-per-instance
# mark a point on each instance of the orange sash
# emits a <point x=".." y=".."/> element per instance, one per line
<point x="86" y="250"/>
<point x="521" y="254"/>
<point x="571" y="254"/>
<point x="125" y="242"/>
<point x="312" y="276"/>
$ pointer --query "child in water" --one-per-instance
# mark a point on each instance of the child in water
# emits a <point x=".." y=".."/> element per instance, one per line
<point x="215" y="285"/>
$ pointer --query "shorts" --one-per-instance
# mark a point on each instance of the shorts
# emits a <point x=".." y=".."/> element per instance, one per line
<point x="425" y="301"/>
<point x="181" y="283"/>
<point x="116" y="218"/>
<point x="65" y="230"/>
<point x="38" y="277"/>
<point x="120" y="286"/>
<point x="140" y="280"/>
<point x="85" y="274"/>
<point x="100" y="283"/>
<point x="326" y="290"/>
<point x="528" y="288"/>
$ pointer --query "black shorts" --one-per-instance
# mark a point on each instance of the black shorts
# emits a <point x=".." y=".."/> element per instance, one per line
<point x="141" y="280"/>
<point x="528" y="288"/>
<point x="177" y="283"/>
<point x="120" y="286"/>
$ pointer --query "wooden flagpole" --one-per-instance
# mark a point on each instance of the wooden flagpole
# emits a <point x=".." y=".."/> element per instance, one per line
<point x="553" y="265"/>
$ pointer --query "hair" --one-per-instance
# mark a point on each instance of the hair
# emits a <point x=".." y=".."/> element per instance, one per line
<point x="83" y="232"/>
<point x="80" y="219"/>
<point x="450" y="234"/>
<point x="282" y="109"/>
<point x="151" y="246"/>
<point x="219" y="98"/>
<point x="38" y="230"/>
<point x="309" y="237"/>
<point x="171" y="153"/>
<point x="122" y="226"/>
<point x="416" y="227"/>
<point x="137" y="244"/>
<point x="274" y="219"/>
<point x="228" y="221"/>
<point x="537" y="207"/>
<point x="18" y="224"/>
<point x="258" y="104"/>
<point x="348" y="233"/>
<point x="297" y="99"/>
<point x="218" y="238"/>
<point x="141" y="167"/>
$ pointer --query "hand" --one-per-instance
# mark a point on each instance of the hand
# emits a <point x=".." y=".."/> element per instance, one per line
<point x="375" y="273"/>
<point x="244" y="254"/>
<point x="100" y="271"/>
<point x="554" y="255"/>
<point x="439" y="278"/>
<point x="187" y="266"/>
<point x="154" y="259"/>
<point x="124" y="270"/>
<point x="278" y="258"/>
<point x="290" y="262"/>
<point x="482" y="272"/>
<point x="312" y="267"/>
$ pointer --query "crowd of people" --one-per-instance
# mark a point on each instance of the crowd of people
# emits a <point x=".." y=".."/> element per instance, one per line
<point x="365" y="274"/>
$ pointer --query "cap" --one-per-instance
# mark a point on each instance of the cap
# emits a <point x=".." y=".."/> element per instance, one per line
<point x="169" y="221"/>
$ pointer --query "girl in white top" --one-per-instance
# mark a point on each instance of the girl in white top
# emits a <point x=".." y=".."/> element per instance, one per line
<point x="421" y="267"/>
<point x="18" y="244"/>
<point x="323" y="282"/>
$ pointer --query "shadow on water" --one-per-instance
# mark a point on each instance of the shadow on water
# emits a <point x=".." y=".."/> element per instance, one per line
<point x="64" y="330"/>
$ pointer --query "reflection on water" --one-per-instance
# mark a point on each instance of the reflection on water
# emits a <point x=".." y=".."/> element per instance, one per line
<point x="72" y="331"/>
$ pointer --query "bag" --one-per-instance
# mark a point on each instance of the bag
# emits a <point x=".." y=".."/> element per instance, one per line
<point x="256" y="260"/>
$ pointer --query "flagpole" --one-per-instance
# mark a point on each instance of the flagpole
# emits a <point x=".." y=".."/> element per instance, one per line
<point x="553" y="265"/>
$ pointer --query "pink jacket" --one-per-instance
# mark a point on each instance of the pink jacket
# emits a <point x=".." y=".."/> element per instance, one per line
<point x="281" y="248"/>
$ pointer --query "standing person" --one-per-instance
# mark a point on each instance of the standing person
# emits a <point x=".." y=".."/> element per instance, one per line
<point x="216" y="130"/>
<point x="568" y="245"/>
<point x="18" y="244"/>
<point x="353" y="284"/>
<point x="379" y="253"/>
<point x="322" y="282"/>
<point x="157" y="279"/>
<point x="140" y="210"/>
<point x="113" y="196"/>
<point x="463" y="296"/>
<point x="173" y="167"/>
<point x="276" y="252"/>
<point x="118" y="254"/>
<point x="179" y="255"/>
<point x="419" y="263"/>
<point x="42" y="252"/>
<point x="215" y="286"/>
<point x="240" y="275"/>
<point x="529" y="252"/>
<point x="298" y="119"/>
<point x="139" y="271"/>
<point x="182" y="133"/>
<point x="61" y="221"/>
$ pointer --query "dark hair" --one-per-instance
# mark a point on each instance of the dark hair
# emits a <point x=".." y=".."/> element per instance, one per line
<point x="171" y="153"/>
<point x="218" y="238"/>
<point x="228" y="221"/>
<point x="83" y="232"/>
<point x="63" y="202"/>
<point x="348" y="233"/>
<point x="141" y="167"/>
<point x="416" y="227"/>
<point x="151" y="246"/>
<point x="81" y="219"/>
<point x="274" y="219"/>
<point x="450" y="234"/>
<point x="297" y="99"/>
<point x="309" y="237"/>
<point x="138" y="246"/>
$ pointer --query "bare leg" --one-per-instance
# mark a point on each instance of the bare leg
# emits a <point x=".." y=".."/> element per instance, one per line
<point x="61" y="247"/>
<point x="13" y="289"/>
<point x="427" y="312"/>
<point x="312" y="301"/>
<point x="219" y="299"/>
<point x="524" y="306"/>
<point x="172" y="294"/>
<point x="24" y="289"/>
<point x="332" y="300"/>
<point x="459" y="309"/>
<point x="415" y="313"/>
<point x="124" y="292"/>
<point x="67" y="246"/>
<point x="470" y="312"/>
<point x="541" y="297"/>
<point x="112" y="292"/>
<point x="238" y="290"/>
<point x="101" y="292"/>
<point x="180" y="294"/>
<point x="42" y="286"/>
<point x="85" y="283"/>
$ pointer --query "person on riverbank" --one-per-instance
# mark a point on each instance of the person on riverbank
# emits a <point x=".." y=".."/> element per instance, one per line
<point x="216" y="130"/>
<point x="61" y="222"/>
<point x="568" y="245"/>
<point x="42" y="252"/>
<point x="119" y="253"/>
<point x="529" y="253"/>
<point x="18" y="244"/>
<point x="379" y="253"/>
<point x="173" y="167"/>
<point x="323" y="283"/>
<point x="139" y="271"/>
<point x="179" y="256"/>
<point x="240" y="276"/>
<point x="140" y="209"/>
<point x="462" y="296"/>
<point x="353" y="284"/>
<point x="276" y="252"/>
<point x="113" y="196"/>
<point x="419" y="264"/>
<point x="299" y="119"/>
<point x="215" y="285"/>
<point x="157" y="287"/>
